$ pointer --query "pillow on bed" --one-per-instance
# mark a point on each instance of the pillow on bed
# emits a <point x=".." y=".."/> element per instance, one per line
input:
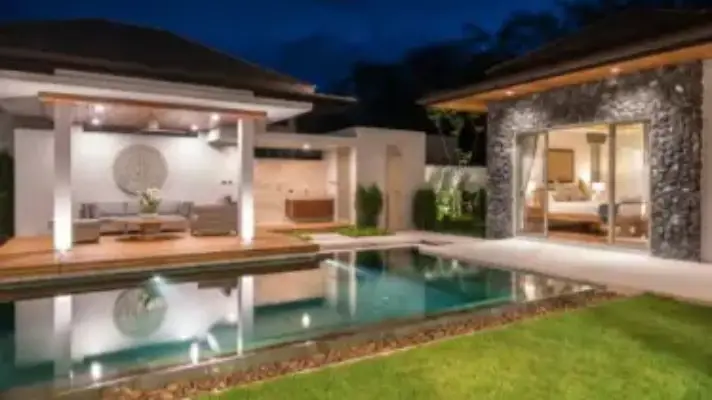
<point x="568" y="192"/>
<point x="561" y="192"/>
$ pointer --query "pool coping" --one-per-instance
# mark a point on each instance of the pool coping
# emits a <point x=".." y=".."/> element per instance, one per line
<point x="348" y="344"/>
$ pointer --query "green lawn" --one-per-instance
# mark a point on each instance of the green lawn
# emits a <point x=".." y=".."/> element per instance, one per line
<point x="643" y="348"/>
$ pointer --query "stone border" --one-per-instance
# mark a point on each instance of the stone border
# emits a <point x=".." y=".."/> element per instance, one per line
<point x="345" y="347"/>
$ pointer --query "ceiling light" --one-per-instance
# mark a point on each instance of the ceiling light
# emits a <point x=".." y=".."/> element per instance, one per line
<point x="215" y="117"/>
<point x="306" y="146"/>
<point x="95" y="121"/>
<point x="509" y="92"/>
<point x="194" y="127"/>
<point x="99" y="108"/>
<point x="615" y="70"/>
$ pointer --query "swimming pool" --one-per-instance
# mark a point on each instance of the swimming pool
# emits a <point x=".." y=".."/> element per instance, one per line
<point x="93" y="332"/>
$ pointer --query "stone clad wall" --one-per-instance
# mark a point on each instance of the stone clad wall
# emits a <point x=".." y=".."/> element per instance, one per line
<point x="669" y="99"/>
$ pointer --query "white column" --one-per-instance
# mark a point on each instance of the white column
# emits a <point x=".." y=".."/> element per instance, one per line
<point x="353" y="284"/>
<point x="62" y="327"/>
<point x="245" y="195"/>
<point x="62" y="215"/>
<point x="245" y="310"/>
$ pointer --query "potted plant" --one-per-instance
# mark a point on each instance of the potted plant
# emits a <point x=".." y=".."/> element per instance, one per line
<point x="149" y="200"/>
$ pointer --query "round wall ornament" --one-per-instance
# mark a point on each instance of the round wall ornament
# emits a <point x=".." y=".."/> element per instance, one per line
<point x="140" y="311"/>
<point x="139" y="167"/>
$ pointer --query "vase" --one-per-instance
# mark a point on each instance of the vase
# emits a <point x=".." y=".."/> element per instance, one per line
<point x="149" y="210"/>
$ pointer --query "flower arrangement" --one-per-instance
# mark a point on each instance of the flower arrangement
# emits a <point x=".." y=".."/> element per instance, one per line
<point x="149" y="200"/>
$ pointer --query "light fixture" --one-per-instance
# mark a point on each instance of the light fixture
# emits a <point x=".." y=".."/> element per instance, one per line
<point x="194" y="353"/>
<point x="215" y="117"/>
<point x="231" y="317"/>
<point x="306" y="146"/>
<point x="615" y="70"/>
<point x="194" y="127"/>
<point x="157" y="279"/>
<point x="99" y="108"/>
<point x="95" y="371"/>
<point x="95" y="121"/>
<point x="306" y="320"/>
<point x="509" y="92"/>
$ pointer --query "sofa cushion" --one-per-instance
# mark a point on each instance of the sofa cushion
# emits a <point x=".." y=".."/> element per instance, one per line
<point x="111" y="209"/>
<point x="185" y="208"/>
<point x="133" y="208"/>
<point x="169" y="207"/>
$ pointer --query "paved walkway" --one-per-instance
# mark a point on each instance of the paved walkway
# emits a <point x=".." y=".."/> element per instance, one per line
<point x="619" y="269"/>
<point x="614" y="268"/>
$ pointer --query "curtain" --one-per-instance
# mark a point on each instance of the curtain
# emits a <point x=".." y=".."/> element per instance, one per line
<point x="527" y="150"/>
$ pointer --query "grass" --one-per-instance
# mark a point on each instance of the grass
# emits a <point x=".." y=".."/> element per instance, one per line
<point x="354" y="231"/>
<point x="643" y="348"/>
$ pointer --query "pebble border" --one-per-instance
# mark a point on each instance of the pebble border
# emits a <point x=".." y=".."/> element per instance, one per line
<point x="329" y="356"/>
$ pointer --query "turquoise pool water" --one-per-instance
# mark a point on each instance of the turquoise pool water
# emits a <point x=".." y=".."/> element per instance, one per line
<point x="93" y="335"/>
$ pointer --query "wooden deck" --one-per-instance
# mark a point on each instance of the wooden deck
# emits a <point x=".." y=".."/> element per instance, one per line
<point x="30" y="257"/>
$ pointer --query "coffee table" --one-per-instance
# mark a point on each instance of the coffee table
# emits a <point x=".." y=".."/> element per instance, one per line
<point x="149" y="225"/>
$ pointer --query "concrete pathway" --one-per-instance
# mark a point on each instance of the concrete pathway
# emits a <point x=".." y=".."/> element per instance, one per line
<point x="614" y="268"/>
<point x="618" y="269"/>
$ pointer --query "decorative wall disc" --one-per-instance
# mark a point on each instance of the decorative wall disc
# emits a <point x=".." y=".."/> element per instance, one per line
<point x="139" y="312"/>
<point x="139" y="167"/>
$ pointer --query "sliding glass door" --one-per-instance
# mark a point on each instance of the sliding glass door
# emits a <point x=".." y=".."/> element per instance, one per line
<point x="631" y="185"/>
<point x="530" y="184"/>
<point x="586" y="183"/>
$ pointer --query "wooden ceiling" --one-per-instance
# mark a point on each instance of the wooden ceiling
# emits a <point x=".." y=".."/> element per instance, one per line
<point x="112" y="112"/>
<point x="477" y="102"/>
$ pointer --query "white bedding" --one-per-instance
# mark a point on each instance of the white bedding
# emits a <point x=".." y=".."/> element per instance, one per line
<point x="591" y="207"/>
<point x="574" y="207"/>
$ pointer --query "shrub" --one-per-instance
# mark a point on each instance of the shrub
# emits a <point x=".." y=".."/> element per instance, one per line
<point x="480" y="210"/>
<point x="425" y="209"/>
<point x="369" y="203"/>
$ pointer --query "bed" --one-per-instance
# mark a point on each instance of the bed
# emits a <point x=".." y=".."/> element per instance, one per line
<point x="590" y="215"/>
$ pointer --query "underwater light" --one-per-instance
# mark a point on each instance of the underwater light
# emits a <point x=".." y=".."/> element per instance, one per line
<point x="194" y="353"/>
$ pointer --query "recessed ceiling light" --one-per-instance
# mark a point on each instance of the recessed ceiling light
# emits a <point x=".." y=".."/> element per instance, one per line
<point x="99" y="108"/>
<point x="194" y="127"/>
<point x="95" y="121"/>
<point x="509" y="92"/>
<point x="306" y="146"/>
<point x="214" y="117"/>
<point x="615" y="70"/>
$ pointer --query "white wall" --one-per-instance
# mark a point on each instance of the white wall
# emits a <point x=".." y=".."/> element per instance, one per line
<point x="196" y="171"/>
<point x="370" y="163"/>
<point x="279" y="179"/>
<point x="706" y="177"/>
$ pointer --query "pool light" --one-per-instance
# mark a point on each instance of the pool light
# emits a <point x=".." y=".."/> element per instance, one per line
<point x="306" y="320"/>
<point x="95" y="370"/>
<point x="194" y="353"/>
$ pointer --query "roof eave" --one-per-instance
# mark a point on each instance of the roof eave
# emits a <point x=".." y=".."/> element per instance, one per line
<point x="687" y="38"/>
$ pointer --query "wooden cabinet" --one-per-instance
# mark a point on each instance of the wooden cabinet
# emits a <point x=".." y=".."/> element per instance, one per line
<point x="309" y="210"/>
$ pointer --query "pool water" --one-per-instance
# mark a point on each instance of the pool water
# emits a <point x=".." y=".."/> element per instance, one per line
<point x="162" y="320"/>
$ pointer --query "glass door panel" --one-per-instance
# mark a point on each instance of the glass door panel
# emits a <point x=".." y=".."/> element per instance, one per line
<point x="530" y="184"/>
<point x="631" y="186"/>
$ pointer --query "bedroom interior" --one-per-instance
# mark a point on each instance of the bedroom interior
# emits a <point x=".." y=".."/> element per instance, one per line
<point x="567" y="177"/>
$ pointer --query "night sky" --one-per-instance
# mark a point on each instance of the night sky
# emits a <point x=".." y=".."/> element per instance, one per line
<point x="316" y="40"/>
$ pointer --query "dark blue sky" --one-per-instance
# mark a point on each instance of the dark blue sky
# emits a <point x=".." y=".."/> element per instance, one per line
<point x="316" y="40"/>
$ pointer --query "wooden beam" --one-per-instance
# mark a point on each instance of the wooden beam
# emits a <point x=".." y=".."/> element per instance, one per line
<point x="52" y="97"/>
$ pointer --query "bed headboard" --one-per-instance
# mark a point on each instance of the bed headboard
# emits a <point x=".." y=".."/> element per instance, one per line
<point x="560" y="166"/>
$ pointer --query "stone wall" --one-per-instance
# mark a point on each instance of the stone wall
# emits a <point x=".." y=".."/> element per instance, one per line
<point x="669" y="99"/>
